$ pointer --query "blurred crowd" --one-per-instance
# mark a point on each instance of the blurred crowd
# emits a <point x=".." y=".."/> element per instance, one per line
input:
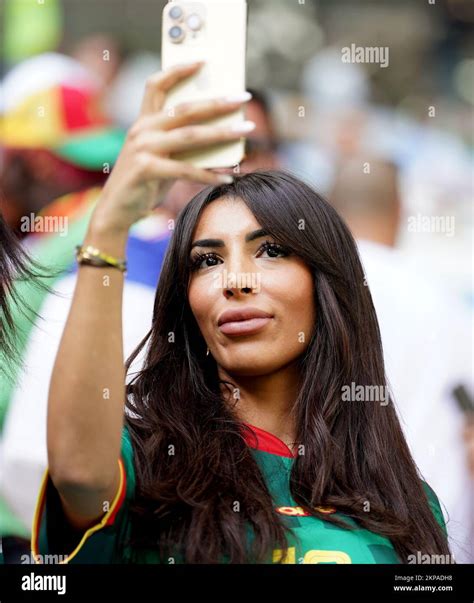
<point x="402" y="181"/>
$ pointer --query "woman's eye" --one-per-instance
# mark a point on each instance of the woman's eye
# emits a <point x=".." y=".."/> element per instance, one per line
<point x="206" y="260"/>
<point x="273" y="250"/>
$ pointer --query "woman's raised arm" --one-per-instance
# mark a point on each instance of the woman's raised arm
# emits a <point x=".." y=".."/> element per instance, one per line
<point x="87" y="391"/>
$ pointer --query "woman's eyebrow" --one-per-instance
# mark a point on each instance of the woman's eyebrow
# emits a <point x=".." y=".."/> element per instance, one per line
<point x="251" y="236"/>
<point x="208" y="243"/>
<point x="256" y="234"/>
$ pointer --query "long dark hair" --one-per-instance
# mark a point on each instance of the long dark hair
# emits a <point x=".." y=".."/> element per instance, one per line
<point x="15" y="265"/>
<point x="192" y="463"/>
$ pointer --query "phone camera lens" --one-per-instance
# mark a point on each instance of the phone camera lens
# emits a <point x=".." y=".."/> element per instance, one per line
<point x="194" y="22"/>
<point x="176" y="12"/>
<point x="176" y="33"/>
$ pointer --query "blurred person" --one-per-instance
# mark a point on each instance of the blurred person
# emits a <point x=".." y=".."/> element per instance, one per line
<point x="55" y="137"/>
<point x="336" y="99"/>
<point x="261" y="153"/>
<point x="424" y="334"/>
<point x="125" y="93"/>
<point x="262" y="143"/>
<point x="299" y="460"/>
<point x="101" y="54"/>
<point x="31" y="178"/>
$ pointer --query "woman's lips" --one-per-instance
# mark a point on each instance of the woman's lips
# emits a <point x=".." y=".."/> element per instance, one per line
<point x="244" y="327"/>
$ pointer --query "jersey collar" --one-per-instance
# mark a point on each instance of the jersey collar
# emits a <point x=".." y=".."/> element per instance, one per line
<point x="262" y="440"/>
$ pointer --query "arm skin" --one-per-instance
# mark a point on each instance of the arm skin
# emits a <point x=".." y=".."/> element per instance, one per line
<point x="84" y="425"/>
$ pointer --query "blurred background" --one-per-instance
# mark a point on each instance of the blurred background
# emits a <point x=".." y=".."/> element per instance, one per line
<point x="371" y="101"/>
<point x="416" y="112"/>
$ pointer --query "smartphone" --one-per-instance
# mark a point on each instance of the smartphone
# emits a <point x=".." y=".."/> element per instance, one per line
<point x="214" y="31"/>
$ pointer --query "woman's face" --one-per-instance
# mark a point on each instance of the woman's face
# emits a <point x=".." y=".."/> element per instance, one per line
<point x="253" y="302"/>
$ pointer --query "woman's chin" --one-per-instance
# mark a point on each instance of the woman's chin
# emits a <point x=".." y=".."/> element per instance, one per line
<point x="249" y="365"/>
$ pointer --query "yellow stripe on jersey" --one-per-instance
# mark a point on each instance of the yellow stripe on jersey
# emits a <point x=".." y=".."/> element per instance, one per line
<point x="106" y="520"/>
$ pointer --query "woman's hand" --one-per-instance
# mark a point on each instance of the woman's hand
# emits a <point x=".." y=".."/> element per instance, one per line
<point x="145" y="169"/>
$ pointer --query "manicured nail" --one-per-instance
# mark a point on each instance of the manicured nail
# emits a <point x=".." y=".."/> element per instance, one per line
<point x="241" y="97"/>
<point x="192" y="64"/>
<point x="244" y="126"/>
<point x="225" y="179"/>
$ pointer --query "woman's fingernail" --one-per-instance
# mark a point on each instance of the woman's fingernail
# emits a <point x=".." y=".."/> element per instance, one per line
<point x="244" y="126"/>
<point x="189" y="65"/>
<point x="241" y="97"/>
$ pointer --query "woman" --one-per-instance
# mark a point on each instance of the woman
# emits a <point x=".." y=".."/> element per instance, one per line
<point x="238" y="445"/>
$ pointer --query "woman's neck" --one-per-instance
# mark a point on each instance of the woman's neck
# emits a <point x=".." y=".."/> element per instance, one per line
<point x="266" y="401"/>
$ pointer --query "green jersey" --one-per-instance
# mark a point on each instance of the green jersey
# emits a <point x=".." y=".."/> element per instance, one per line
<point x="311" y="539"/>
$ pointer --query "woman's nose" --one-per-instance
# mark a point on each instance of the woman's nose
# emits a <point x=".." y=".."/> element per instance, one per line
<point x="237" y="291"/>
<point x="239" y="277"/>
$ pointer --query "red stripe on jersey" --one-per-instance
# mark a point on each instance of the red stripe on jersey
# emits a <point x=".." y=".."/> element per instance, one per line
<point x="123" y="491"/>
<point x="259" y="439"/>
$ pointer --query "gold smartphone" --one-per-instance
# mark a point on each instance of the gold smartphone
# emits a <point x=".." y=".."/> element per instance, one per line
<point x="214" y="31"/>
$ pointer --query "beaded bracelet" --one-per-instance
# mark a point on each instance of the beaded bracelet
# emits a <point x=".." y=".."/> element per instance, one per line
<point x="91" y="256"/>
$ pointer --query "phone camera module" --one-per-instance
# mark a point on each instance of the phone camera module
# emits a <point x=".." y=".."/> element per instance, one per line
<point x="194" y="22"/>
<point x="176" y="13"/>
<point x="176" y="34"/>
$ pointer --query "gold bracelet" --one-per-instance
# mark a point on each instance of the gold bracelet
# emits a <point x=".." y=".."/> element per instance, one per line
<point x="91" y="256"/>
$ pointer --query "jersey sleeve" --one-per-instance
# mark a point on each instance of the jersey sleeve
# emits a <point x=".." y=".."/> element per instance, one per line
<point x="435" y="507"/>
<point x="54" y="540"/>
